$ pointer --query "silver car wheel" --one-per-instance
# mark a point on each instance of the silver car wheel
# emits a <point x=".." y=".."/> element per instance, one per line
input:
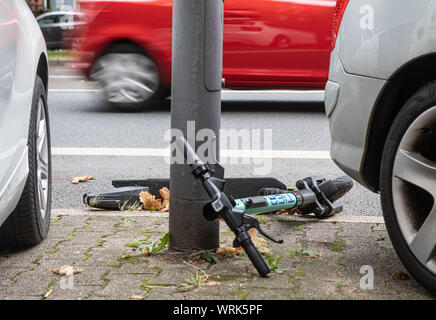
<point x="126" y="78"/>
<point x="42" y="158"/>
<point x="414" y="170"/>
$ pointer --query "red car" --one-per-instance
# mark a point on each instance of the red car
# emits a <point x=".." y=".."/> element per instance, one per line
<point x="126" y="46"/>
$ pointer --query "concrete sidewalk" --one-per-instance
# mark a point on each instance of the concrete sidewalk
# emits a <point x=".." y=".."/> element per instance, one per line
<point x="102" y="244"/>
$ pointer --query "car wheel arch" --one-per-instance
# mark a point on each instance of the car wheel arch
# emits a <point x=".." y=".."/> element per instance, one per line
<point x="398" y="89"/>
<point x="42" y="70"/>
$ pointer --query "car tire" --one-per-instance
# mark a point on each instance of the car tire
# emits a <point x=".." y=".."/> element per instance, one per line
<point x="408" y="185"/>
<point x="29" y="223"/>
<point x="128" y="77"/>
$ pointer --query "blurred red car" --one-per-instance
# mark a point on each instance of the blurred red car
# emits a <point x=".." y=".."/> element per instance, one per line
<point x="126" y="46"/>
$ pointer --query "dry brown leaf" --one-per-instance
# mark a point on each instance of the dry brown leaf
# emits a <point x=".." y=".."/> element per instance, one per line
<point x="212" y="283"/>
<point x="290" y="212"/>
<point x="66" y="271"/>
<point x="205" y="281"/>
<point x="165" y="193"/>
<point x="400" y="276"/>
<point x="149" y="201"/>
<point x="349" y="291"/>
<point x="165" y="206"/>
<point x="239" y="250"/>
<point x="135" y="297"/>
<point x="228" y="250"/>
<point x="253" y="233"/>
<point x="76" y="180"/>
<point x="260" y="243"/>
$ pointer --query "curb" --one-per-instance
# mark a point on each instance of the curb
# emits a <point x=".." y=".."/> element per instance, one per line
<point x="57" y="63"/>
<point x="61" y="63"/>
<point x="154" y="214"/>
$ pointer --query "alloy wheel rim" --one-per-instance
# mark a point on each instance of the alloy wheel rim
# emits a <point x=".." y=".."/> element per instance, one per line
<point x="126" y="78"/>
<point x="414" y="188"/>
<point x="42" y="159"/>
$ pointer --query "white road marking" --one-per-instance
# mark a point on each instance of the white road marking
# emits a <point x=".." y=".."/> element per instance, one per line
<point x="66" y="77"/>
<point x="246" y="95"/>
<point x="73" y="90"/>
<point x="96" y="212"/>
<point x="164" y="152"/>
<point x="273" y="95"/>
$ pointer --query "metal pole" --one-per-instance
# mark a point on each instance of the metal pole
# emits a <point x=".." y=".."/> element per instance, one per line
<point x="196" y="96"/>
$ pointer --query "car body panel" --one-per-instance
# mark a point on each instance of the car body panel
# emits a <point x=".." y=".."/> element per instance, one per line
<point x="374" y="42"/>
<point x="349" y="101"/>
<point x="397" y="32"/>
<point x="54" y="26"/>
<point x="267" y="43"/>
<point x="21" y="46"/>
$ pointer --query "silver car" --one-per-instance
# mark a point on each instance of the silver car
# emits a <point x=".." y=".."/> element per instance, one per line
<point x="381" y="105"/>
<point x="56" y="27"/>
<point x="25" y="163"/>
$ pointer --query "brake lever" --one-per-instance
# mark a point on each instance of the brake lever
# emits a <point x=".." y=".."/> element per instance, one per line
<point x="254" y="223"/>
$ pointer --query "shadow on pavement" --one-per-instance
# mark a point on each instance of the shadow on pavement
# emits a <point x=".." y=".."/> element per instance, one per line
<point x="227" y="107"/>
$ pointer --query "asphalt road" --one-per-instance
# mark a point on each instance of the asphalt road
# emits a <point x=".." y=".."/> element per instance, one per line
<point x="81" y="119"/>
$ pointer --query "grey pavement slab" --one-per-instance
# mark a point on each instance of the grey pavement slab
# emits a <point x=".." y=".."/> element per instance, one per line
<point x="100" y="243"/>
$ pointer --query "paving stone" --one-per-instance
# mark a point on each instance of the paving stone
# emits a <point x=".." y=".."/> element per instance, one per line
<point x="98" y="241"/>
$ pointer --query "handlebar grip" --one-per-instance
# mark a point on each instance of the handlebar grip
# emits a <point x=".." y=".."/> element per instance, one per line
<point x="255" y="257"/>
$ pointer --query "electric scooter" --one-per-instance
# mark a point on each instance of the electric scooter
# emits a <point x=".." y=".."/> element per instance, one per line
<point x="314" y="195"/>
<point x="317" y="195"/>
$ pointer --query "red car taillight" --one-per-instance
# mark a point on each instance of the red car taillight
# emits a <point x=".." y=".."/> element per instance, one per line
<point x="341" y="5"/>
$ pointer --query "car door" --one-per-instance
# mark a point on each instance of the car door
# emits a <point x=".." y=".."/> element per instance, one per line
<point x="277" y="42"/>
<point x="8" y="52"/>
<point x="240" y="42"/>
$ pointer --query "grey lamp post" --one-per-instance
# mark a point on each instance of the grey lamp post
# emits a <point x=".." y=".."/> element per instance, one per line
<point x="196" y="97"/>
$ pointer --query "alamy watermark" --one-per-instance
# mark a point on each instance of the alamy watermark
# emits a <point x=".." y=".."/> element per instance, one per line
<point x="367" y="280"/>
<point x="67" y="280"/>
<point x="367" y="19"/>
<point x="237" y="146"/>
<point x="66" y="20"/>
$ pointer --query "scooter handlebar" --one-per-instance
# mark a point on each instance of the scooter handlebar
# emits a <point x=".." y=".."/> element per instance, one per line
<point x="255" y="257"/>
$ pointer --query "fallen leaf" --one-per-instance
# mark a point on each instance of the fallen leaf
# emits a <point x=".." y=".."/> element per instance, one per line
<point x="400" y="276"/>
<point x="349" y="291"/>
<point x="260" y="243"/>
<point x="229" y="249"/>
<point x="135" y="297"/>
<point x="205" y="281"/>
<point x="165" y="206"/>
<point x="76" y="180"/>
<point x="212" y="283"/>
<point x="149" y="201"/>
<point x="290" y="212"/>
<point x="165" y="193"/>
<point x="66" y="271"/>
